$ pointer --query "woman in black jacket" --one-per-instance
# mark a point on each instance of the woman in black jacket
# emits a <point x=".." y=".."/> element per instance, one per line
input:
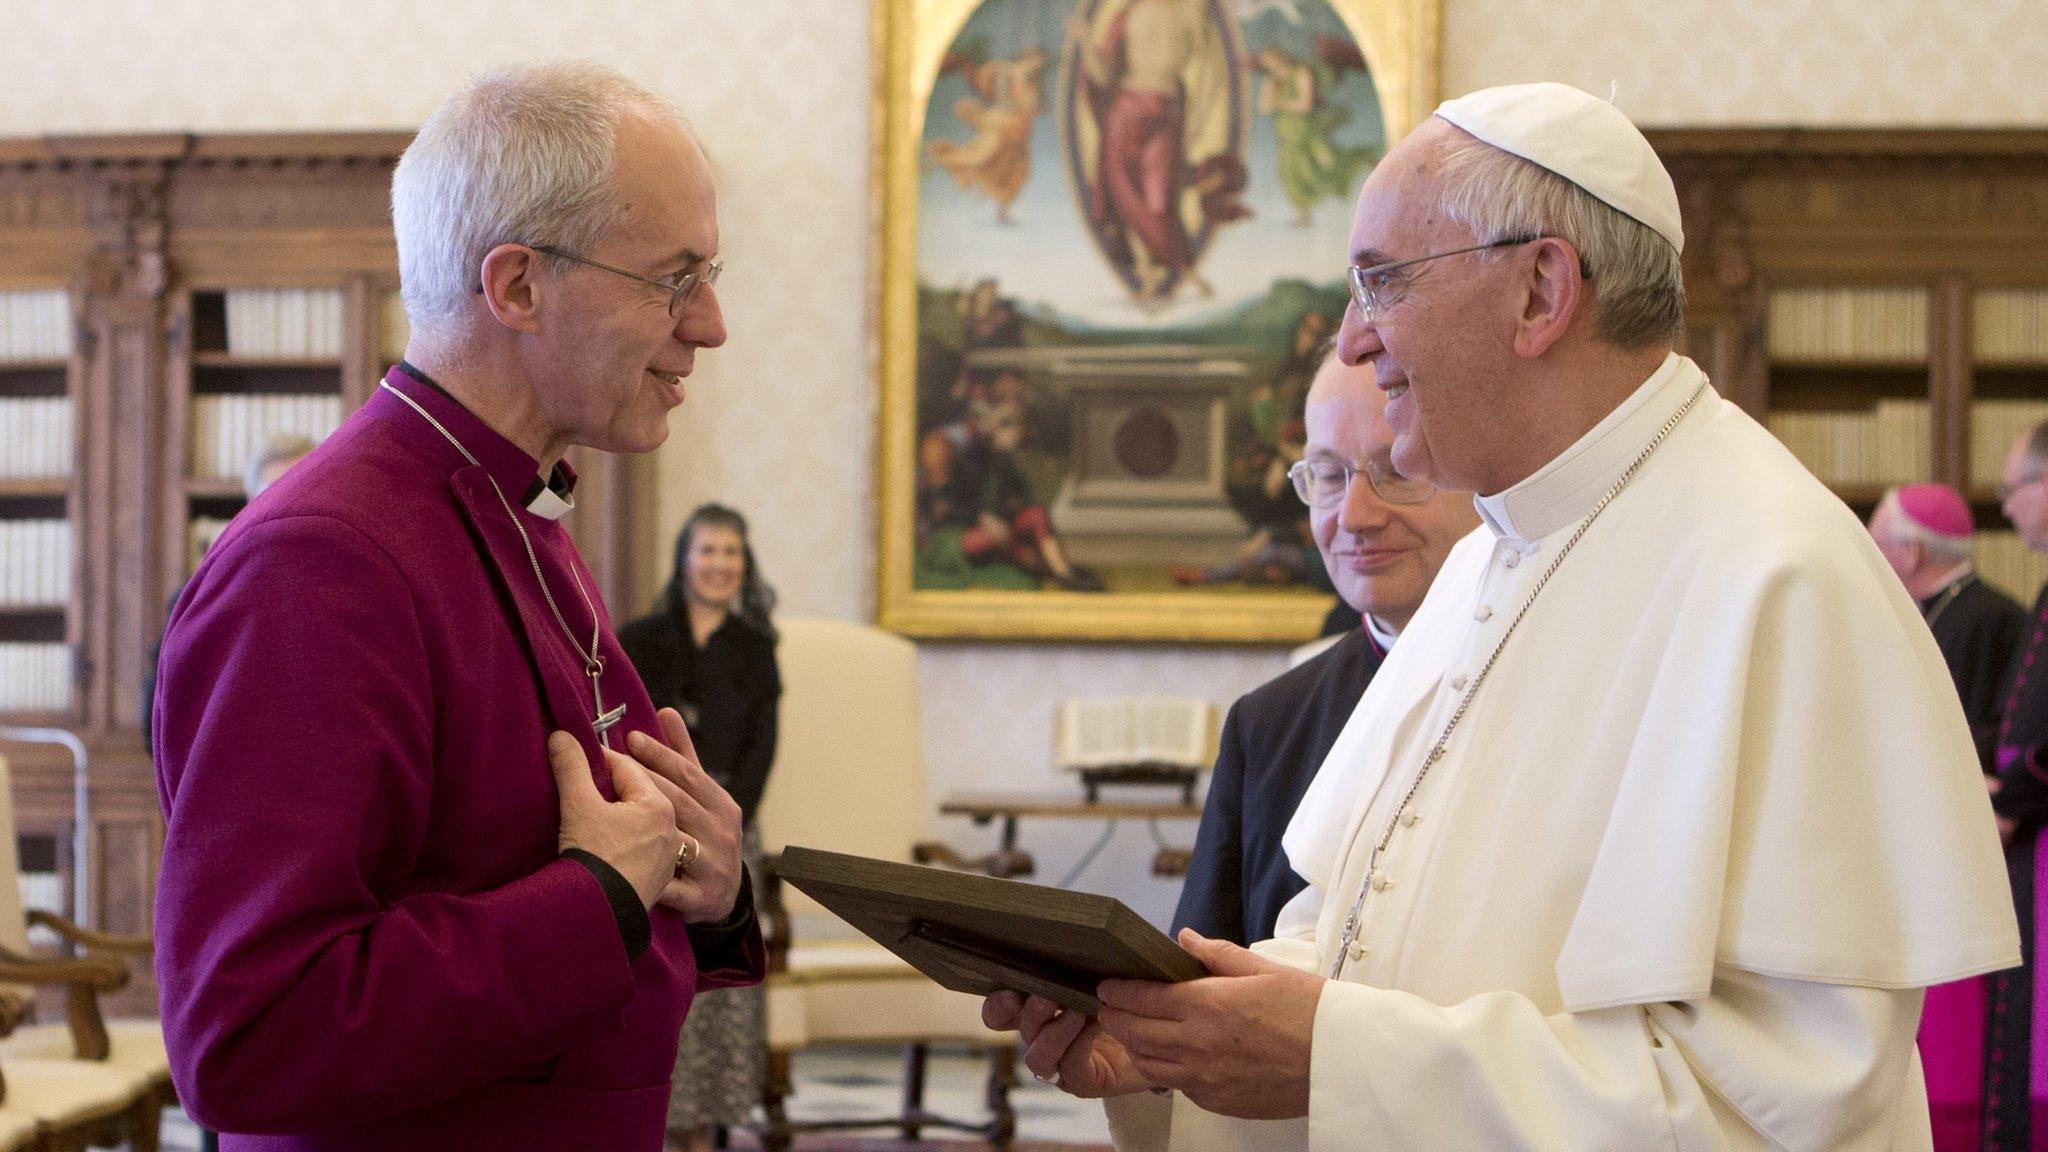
<point x="708" y="651"/>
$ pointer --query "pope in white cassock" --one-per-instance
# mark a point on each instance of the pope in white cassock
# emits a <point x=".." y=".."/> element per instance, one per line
<point x="1663" y="812"/>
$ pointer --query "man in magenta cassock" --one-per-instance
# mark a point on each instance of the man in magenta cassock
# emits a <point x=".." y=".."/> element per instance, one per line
<point x="437" y="876"/>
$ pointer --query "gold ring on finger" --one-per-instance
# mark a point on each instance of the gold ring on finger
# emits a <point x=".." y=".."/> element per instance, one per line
<point x="686" y="855"/>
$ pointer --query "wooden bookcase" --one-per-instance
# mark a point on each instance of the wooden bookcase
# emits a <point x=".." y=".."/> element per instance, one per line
<point x="34" y="492"/>
<point x="1931" y="249"/>
<point x="151" y="237"/>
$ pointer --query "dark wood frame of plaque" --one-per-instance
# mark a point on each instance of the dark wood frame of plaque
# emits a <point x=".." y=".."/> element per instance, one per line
<point x="980" y="935"/>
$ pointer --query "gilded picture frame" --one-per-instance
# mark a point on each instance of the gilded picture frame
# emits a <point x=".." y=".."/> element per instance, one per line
<point x="1111" y="244"/>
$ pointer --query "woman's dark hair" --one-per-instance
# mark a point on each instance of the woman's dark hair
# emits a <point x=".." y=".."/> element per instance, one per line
<point x="756" y="600"/>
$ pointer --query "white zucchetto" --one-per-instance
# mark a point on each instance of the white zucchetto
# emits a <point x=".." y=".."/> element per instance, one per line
<point x="1582" y="138"/>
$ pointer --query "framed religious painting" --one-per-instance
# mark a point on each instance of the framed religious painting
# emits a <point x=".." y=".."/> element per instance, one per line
<point x="1113" y="250"/>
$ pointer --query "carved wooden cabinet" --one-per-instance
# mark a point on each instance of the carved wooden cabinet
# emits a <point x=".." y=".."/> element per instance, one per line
<point x="152" y="249"/>
<point x="1880" y="298"/>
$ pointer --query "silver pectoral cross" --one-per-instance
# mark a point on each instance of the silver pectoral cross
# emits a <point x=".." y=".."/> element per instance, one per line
<point x="602" y="722"/>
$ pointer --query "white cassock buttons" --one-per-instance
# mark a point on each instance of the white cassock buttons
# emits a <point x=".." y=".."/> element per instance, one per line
<point x="1359" y="952"/>
<point x="1381" y="882"/>
<point x="1513" y="559"/>
<point x="1458" y="682"/>
<point x="1484" y="614"/>
<point x="1409" y="816"/>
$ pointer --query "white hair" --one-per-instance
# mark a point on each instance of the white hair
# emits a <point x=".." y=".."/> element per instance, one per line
<point x="524" y="154"/>
<point x="1900" y="528"/>
<point x="1638" y="285"/>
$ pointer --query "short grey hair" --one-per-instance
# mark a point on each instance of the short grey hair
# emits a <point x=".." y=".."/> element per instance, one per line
<point x="1903" y="529"/>
<point x="276" y="450"/>
<point x="522" y="155"/>
<point x="1638" y="284"/>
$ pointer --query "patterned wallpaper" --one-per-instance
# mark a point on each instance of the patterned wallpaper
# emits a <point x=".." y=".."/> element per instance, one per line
<point x="782" y="421"/>
<point x="1836" y="62"/>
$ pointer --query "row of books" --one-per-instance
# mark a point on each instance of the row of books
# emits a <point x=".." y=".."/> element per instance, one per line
<point x="1994" y="425"/>
<point x="35" y="563"/>
<point x="35" y="677"/>
<point x="36" y="436"/>
<point x="229" y="430"/>
<point x="1875" y="324"/>
<point x="1890" y="443"/>
<point x="286" y="321"/>
<point x="35" y="325"/>
<point x="2011" y="326"/>
<point x="2006" y="562"/>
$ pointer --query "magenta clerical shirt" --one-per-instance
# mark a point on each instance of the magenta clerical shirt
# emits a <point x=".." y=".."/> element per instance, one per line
<point x="365" y="935"/>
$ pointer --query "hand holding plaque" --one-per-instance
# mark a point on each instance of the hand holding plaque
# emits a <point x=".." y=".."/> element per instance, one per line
<point x="981" y="935"/>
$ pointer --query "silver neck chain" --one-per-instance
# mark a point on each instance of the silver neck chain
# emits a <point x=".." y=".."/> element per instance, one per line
<point x="1947" y="596"/>
<point x="1354" y="922"/>
<point x="593" y="664"/>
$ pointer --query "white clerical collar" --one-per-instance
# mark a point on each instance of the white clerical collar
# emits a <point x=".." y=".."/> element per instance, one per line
<point x="1383" y="634"/>
<point x="549" y="497"/>
<point x="1562" y="492"/>
<point x="550" y="505"/>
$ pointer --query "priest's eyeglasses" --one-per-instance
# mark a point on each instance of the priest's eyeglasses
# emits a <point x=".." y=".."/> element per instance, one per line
<point x="1381" y="286"/>
<point x="1322" y="483"/>
<point x="680" y="287"/>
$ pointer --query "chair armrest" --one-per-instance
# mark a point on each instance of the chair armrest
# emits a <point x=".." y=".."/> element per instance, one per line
<point x="83" y="979"/>
<point x="101" y="973"/>
<point x="774" y="914"/>
<point x="89" y="940"/>
<point x="15" y="1010"/>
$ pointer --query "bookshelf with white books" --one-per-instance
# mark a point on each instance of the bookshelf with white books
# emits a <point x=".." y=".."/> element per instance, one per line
<point x="2008" y="397"/>
<point x="1856" y="392"/>
<point x="2009" y="381"/>
<point x="38" y="456"/>
<point x="262" y="363"/>
<point x="1849" y="384"/>
<point x="1845" y="273"/>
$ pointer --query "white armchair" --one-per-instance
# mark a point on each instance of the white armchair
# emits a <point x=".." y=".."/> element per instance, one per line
<point x="849" y="777"/>
<point x="79" y="1082"/>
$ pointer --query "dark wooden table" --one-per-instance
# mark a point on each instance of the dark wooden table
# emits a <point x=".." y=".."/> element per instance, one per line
<point x="1009" y="860"/>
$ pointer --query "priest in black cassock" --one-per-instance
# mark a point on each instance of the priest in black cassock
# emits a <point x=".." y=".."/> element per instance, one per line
<point x="2016" y="1080"/>
<point x="1382" y="537"/>
<point x="1924" y="532"/>
<point x="1986" y="1057"/>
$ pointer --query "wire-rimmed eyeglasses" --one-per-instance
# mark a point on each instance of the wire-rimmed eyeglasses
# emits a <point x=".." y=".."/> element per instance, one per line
<point x="1321" y="483"/>
<point x="1377" y="288"/>
<point x="681" y="288"/>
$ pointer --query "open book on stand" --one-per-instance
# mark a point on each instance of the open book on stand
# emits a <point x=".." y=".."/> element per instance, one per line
<point x="1136" y="740"/>
<point x="978" y="934"/>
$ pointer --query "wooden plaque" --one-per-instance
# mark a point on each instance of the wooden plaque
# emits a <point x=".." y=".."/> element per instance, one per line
<point x="978" y="934"/>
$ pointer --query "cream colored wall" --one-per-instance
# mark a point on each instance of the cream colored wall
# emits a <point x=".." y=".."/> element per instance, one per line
<point x="1837" y="62"/>
<point x="782" y="421"/>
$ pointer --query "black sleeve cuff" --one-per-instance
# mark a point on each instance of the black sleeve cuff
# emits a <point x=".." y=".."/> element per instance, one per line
<point x="2022" y="794"/>
<point x="723" y="945"/>
<point x="636" y="931"/>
